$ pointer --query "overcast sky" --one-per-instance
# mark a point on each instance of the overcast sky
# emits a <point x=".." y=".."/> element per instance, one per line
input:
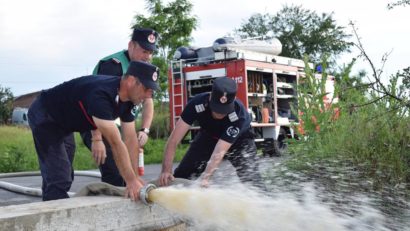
<point x="46" y="42"/>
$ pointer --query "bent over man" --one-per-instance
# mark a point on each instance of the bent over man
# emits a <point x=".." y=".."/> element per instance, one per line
<point x="225" y="132"/>
<point x="89" y="103"/>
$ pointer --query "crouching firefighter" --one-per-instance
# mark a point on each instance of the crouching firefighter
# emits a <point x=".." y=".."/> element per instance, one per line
<point x="225" y="132"/>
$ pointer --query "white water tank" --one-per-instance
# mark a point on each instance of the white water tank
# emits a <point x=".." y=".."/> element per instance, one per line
<point x="270" y="47"/>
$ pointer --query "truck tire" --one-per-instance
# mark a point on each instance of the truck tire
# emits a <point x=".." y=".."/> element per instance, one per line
<point x="276" y="147"/>
<point x="280" y="145"/>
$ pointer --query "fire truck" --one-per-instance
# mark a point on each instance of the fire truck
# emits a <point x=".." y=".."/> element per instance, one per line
<point x="267" y="85"/>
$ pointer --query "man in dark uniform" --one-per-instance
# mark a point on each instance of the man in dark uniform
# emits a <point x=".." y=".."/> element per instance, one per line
<point x="225" y="132"/>
<point x="90" y="103"/>
<point x="140" y="48"/>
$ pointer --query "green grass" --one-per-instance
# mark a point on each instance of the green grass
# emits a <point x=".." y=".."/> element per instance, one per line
<point x="83" y="159"/>
<point x="17" y="152"/>
<point x="154" y="149"/>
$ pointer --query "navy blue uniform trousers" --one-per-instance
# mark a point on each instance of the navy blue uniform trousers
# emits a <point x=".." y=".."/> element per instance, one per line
<point x="242" y="155"/>
<point x="55" y="150"/>
<point x="109" y="171"/>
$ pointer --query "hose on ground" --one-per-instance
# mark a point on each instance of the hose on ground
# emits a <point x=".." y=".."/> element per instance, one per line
<point x="36" y="191"/>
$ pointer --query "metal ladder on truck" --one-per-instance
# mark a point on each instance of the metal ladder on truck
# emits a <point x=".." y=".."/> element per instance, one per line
<point x="177" y="89"/>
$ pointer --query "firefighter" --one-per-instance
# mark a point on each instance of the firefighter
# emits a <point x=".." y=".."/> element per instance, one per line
<point x="90" y="103"/>
<point x="140" y="48"/>
<point x="225" y="132"/>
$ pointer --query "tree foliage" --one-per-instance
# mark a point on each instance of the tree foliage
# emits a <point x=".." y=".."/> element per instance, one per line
<point x="301" y="32"/>
<point x="396" y="93"/>
<point x="405" y="74"/>
<point x="6" y="104"/>
<point x="398" y="3"/>
<point x="175" y="23"/>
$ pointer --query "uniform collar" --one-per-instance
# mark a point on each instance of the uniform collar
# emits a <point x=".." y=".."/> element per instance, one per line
<point x="127" y="55"/>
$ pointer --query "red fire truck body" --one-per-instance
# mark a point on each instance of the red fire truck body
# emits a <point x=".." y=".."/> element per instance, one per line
<point x="267" y="86"/>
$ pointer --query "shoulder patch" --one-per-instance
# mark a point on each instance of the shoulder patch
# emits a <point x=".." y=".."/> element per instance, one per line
<point x="134" y="110"/>
<point x="199" y="108"/>
<point x="233" y="117"/>
<point x="117" y="99"/>
<point x="116" y="60"/>
<point x="232" y="131"/>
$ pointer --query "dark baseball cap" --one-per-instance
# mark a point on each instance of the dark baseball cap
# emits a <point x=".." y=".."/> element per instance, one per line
<point x="146" y="73"/>
<point x="223" y="95"/>
<point x="146" y="38"/>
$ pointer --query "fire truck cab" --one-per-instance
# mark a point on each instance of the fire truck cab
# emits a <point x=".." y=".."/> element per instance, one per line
<point x="267" y="85"/>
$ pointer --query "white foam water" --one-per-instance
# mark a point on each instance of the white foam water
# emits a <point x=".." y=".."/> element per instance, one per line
<point x="242" y="209"/>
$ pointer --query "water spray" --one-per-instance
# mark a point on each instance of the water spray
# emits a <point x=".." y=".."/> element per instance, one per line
<point x="144" y="193"/>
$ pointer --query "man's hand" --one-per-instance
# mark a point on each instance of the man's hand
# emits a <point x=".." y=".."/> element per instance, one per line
<point x="205" y="180"/>
<point x="133" y="188"/>
<point x="98" y="151"/>
<point x="142" y="138"/>
<point x="165" y="178"/>
<point x="204" y="183"/>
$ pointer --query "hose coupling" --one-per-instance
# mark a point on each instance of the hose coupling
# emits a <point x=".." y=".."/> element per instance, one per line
<point x="144" y="193"/>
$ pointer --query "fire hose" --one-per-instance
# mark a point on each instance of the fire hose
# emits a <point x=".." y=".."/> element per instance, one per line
<point x="143" y="193"/>
<point x="36" y="191"/>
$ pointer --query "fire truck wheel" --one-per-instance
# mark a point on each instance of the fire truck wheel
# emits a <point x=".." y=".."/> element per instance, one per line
<point x="277" y="147"/>
<point x="280" y="145"/>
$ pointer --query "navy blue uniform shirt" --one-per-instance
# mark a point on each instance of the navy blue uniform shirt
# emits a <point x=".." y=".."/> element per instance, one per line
<point x="229" y="129"/>
<point x="72" y="104"/>
<point x="112" y="67"/>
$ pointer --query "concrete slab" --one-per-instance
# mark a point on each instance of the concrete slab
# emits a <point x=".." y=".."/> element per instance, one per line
<point x="87" y="213"/>
<point x="92" y="212"/>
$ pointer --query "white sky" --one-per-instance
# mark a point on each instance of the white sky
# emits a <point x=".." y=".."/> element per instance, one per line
<point x="46" y="42"/>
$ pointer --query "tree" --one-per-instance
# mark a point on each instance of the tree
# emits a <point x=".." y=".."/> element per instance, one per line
<point x="395" y="93"/>
<point x="175" y="23"/>
<point x="405" y="74"/>
<point x="301" y="32"/>
<point x="6" y="104"/>
<point x="398" y="3"/>
<point x="257" y="25"/>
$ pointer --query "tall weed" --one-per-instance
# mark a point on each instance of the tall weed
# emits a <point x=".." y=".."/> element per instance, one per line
<point x="374" y="137"/>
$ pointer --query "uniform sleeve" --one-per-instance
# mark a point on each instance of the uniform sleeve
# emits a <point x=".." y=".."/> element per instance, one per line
<point x="128" y="112"/>
<point x="189" y="115"/>
<point x="110" y="67"/>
